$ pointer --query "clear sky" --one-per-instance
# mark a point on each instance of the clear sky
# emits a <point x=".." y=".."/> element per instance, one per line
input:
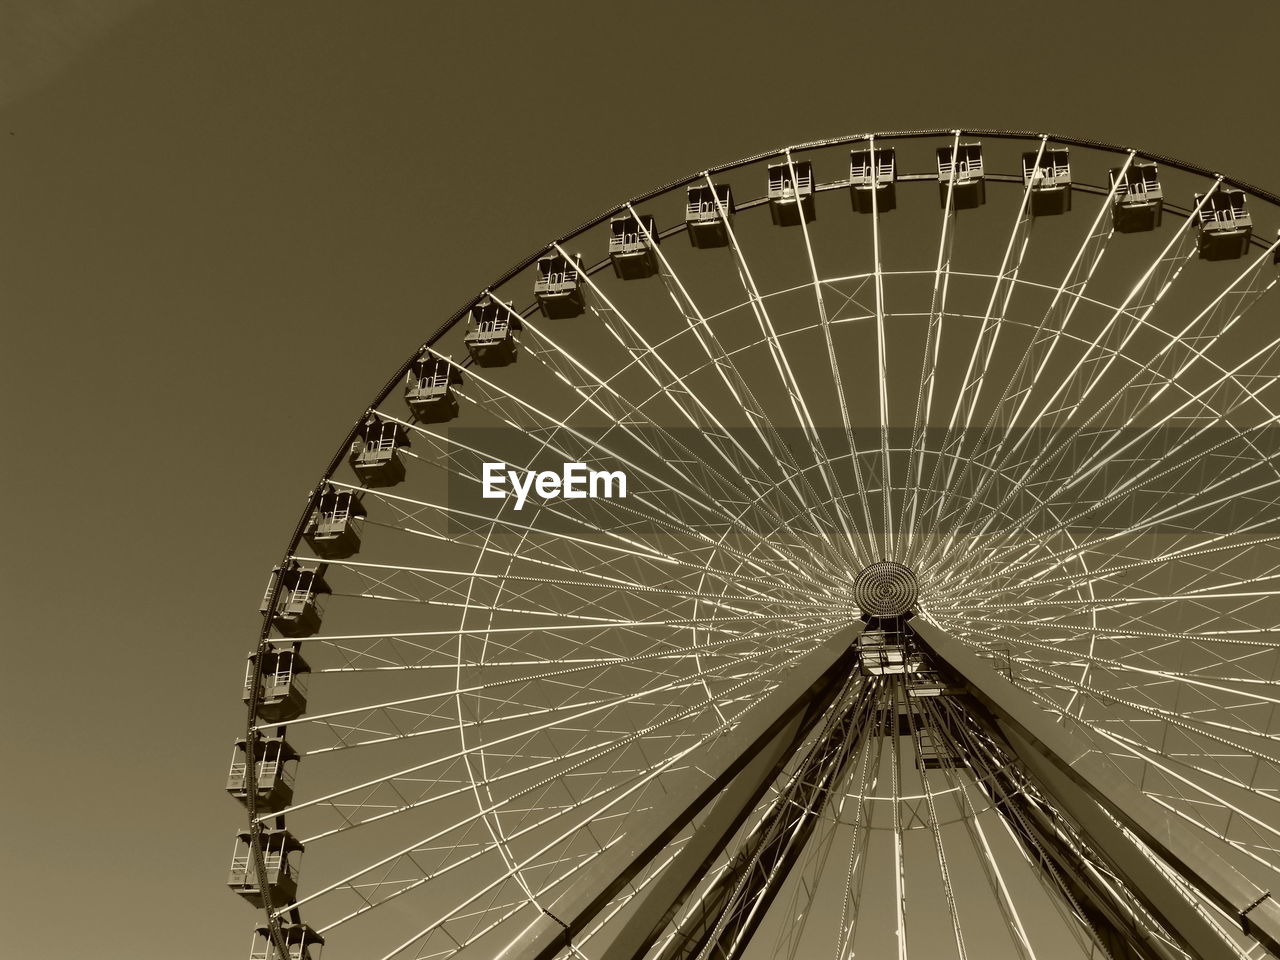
<point x="208" y="209"/>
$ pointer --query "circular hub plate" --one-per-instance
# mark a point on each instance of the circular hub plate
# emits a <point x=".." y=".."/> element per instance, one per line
<point x="886" y="589"/>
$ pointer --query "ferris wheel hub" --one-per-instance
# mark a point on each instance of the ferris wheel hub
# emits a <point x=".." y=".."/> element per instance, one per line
<point x="886" y="589"/>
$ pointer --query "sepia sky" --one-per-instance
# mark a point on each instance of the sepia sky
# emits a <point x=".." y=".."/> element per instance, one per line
<point x="223" y="224"/>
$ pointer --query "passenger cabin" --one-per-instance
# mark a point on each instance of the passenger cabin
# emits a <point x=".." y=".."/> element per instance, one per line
<point x="297" y="611"/>
<point x="1049" y="180"/>
<point x="632" y="244"/>
<point x="428" y="388"/>
<point x="282" y="685"/>
<point x="871" y="180"/>
<point x="1139" y="199"/>
<point x="375" y="453"/>
<point x="491" y="329"/>
<point x="279" y="850"/>
<point x="558" y="286"/>
<point x="960" y="176"/>
<point x="1225" y="227"/>
<point x="331" y="530"/>
<point x="274" y="764"/>
<point x="303" y="943"/>
<point x="791" y="198"/>
<point x="708" y="214"/>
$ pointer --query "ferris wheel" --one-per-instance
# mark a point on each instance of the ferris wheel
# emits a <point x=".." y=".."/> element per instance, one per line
<point x="868" y="548"/>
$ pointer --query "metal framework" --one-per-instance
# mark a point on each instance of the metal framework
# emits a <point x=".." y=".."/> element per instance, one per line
<point x="934" y="574"/>
<point x="1047" y="784"/>
<point x="1114" y="818"/>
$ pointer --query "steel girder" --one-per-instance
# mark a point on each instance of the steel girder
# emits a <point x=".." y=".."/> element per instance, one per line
<point x="1079" y="874"/>
<point x="754" y="751"/>
<point x="1104" y="805"/>
<point x="732" y="909"/>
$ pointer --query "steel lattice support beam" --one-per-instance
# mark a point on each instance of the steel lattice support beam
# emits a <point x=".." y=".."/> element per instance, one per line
<point x="1049" y="841"/>
<point x="807" y="689"/>
<point x="1104" y="804"/>
<point x="662" y="898"/>
<point x="732" y="910"/>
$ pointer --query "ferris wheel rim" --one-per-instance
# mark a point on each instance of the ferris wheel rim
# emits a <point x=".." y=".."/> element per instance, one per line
<point x="292" y="552"/>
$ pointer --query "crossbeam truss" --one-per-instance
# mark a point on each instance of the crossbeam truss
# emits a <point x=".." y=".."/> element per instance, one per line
<point x="1119" y="862"/>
